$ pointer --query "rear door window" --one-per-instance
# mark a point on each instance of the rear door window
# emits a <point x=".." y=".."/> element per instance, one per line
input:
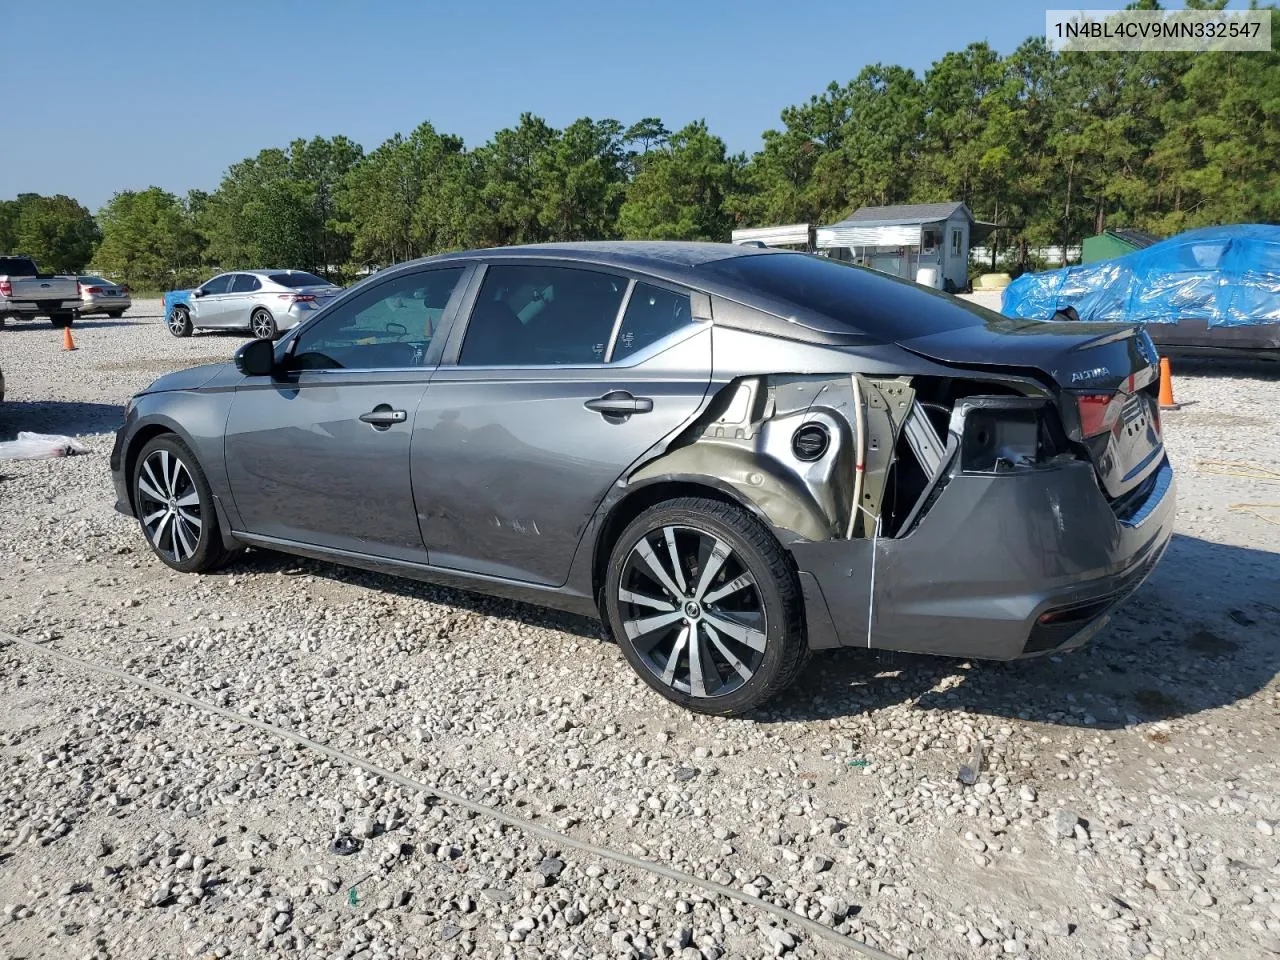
<point x="535" y="315"/>
<point x="652" y="313"/>
<point x="245" y="283"/>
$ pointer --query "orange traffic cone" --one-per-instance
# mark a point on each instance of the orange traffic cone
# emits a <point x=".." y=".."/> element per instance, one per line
<point x="1166" y="386"/>
<point x="67" y="342"/>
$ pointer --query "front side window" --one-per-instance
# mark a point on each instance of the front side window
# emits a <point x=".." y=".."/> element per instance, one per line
<point x="538" y="315"/>
<point x="651" y="314"/>
<point x="388" y="326"/>
<point x="218" y="285"/>
<point x="245" y="283"/>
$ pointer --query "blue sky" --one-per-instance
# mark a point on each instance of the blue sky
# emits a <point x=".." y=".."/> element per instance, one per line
<point x="171" y="93"/>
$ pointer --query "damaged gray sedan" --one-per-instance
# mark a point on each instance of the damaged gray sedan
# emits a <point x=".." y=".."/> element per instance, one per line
<point x="733" y="456"/>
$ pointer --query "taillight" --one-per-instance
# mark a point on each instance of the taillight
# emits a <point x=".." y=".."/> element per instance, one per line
<point x="1098" y="412"/>
<point x="6" y="288"/>
<point x="91" y="289"/>
<point x="298" y="297"/>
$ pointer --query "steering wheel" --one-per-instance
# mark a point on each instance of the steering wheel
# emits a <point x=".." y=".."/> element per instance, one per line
<point x="397" y="330"/>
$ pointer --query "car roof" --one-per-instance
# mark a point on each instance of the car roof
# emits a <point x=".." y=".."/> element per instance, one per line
<point x="642" y="255"/>
<point x="266" y="272"/>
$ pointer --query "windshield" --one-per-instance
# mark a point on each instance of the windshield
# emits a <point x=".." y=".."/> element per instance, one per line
<point x="854" y="299"/>
<point x="299" y="279"/>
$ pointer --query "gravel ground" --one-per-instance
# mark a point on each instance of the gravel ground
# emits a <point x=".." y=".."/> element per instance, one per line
<point x="1127" y="802"/>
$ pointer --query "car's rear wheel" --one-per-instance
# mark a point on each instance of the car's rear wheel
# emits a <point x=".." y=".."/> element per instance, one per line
<point x="263" y="325"/>
<point x="174" y="505"/>
<point x="179" y="321"/>
<point x="61" y="320"/>
<point x="115" y="314"/>
<point x="706" y="606"/>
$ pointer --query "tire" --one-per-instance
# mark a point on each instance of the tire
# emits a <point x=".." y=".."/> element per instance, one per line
<point x="115" y="314"/>
<point x="61" y="320"/>
<point x="167" y="479"/>
<point x="744" y="668"/>
<point x="262" y="325"/>
<point x="179" y="321"/>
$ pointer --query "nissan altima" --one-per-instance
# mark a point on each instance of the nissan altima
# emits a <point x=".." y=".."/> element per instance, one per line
<point x="733" y="456"/>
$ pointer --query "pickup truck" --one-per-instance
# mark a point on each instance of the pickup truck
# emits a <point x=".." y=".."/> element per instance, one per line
<point x="26" y="292"/>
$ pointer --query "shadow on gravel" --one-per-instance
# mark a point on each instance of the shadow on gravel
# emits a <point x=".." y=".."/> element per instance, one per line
<point x="43" y="326"/>
<point x="1212" y="367"/>
<point x="59" y="417"/>
<point x="266" y="561"/>
<point x="1200" y="633"/>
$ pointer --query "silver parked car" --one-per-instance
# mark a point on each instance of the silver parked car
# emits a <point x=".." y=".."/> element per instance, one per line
<point x="99" y="295"/>
<point x="731" y="455"/>
<point x="263" y="302"/>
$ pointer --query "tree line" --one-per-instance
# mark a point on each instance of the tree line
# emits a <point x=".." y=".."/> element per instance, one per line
<point x="1050" y="147"/>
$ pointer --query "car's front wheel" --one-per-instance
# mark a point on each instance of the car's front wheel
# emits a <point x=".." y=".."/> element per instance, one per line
<point x="263" y="325"/>
<point x="706" y="606"/>
<point x="174" y="505"/>
<point x="179" y="321"/>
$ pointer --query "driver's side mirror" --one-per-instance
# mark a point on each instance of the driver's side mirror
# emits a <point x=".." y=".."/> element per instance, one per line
<point x="257" y="358"/>
<point x="198" y="292"/>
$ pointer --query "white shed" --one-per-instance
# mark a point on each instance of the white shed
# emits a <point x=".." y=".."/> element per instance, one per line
<point x="801" y="235"/>
<point x="927" y="242"/>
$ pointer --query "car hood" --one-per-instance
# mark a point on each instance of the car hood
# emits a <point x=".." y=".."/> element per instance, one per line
<point x="192" y="378"/>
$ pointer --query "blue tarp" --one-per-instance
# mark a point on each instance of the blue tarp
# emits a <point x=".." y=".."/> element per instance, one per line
<point x="1227" y="276"/>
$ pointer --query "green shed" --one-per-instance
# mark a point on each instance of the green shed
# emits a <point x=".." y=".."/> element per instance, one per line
<point x="1114" y="243"/>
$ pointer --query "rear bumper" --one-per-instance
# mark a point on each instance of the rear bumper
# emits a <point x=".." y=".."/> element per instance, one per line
<point x="295" y="315"/>
<point x="105" y="305"/>
<point x="32" y="308"/>
<point x="1001" y="567"/>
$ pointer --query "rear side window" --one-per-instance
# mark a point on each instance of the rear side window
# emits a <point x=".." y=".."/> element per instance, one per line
<point x="245" y="283"/>
<point x="218" y="284"/>
<point x="850" y="299"/>
<point x="651" y="314"/>
<point x="298" y="279"/>
<point x="17" y="267"/>
<point x="538" y="315"/>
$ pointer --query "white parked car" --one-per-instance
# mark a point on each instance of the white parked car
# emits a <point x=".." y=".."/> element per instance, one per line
<point x="262" y="302"/>
<point x="99" y="295"/>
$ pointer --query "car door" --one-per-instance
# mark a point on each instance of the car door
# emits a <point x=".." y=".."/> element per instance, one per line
<point x="553" y="389"/>
<point x="240" y="301"/>
<point x="318" y="454"/>
<point x="209" y="300"/>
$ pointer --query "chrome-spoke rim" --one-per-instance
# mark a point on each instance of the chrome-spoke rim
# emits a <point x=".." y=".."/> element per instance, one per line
<point x="169" y="506"/>
<point x="693" y="611"/>
<point x="261" y="326"/>
<point x="177" y="320"/>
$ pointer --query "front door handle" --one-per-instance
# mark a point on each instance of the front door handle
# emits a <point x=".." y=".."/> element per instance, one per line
<point x="620" y="404"/>
<point x="382" y="417"/>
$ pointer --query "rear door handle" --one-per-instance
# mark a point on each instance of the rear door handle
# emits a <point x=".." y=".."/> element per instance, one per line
<point x="382" y="416"/>
<point x="619" y="403"/>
